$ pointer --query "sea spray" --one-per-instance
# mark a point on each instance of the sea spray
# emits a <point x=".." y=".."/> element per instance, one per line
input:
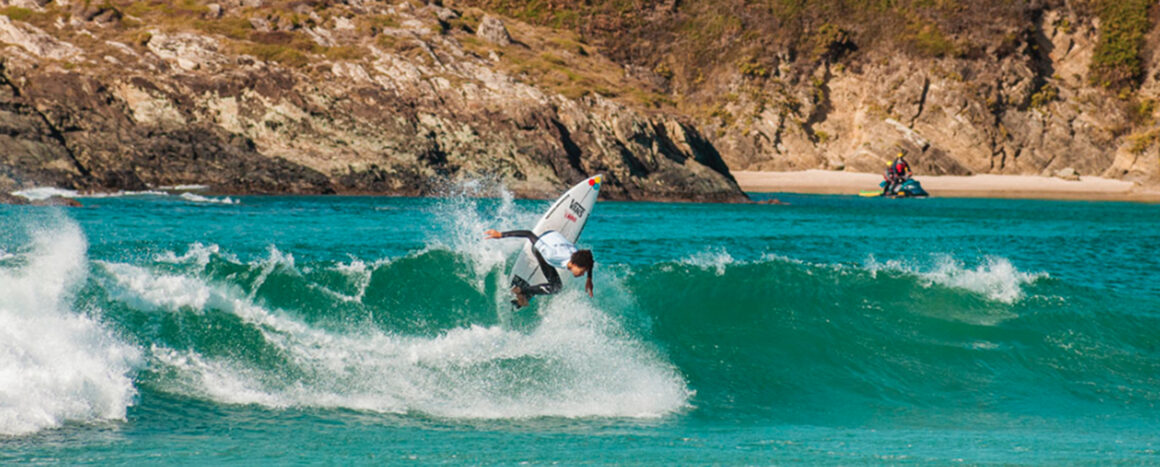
<point x="57" y="364"/>
<point x="715" y="258"/>
<point x="994" y="277"/>
<point x="576" y="362"/>
<point x="468" y="209"/>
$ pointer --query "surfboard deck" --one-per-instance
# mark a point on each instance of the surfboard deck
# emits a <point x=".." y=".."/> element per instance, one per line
<point x="870" y="193"/>
<point x="568" y="215"/>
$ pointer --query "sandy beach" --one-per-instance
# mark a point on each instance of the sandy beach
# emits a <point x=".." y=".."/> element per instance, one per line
<point x="974" y="186"/>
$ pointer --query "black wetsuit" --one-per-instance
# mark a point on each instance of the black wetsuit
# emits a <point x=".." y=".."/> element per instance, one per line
<point x="554" y="284"/>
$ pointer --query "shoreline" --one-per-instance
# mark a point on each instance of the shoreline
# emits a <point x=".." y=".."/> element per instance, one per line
<point x="951" y="186"/>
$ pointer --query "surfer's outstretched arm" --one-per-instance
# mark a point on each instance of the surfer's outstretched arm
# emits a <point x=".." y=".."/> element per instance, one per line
<point x="492" y="233"/>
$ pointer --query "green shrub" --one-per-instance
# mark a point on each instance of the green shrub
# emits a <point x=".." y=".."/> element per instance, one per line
<point x="1143" y="110"/>
<point x="16" y="13"/>
<point x="1140" y="142"/>
<point x="345" y="52"/>
<point x="1045" y="95"/>
<point x="929" y="40"/>
<point x="279" y="53"/>
<point x="751" y="68"/>
<point x="231" y="26"/>
<point x="1116" y="62"/>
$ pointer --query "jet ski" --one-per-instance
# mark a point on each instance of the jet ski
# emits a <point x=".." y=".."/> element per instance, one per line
<point x="908" y="189"/>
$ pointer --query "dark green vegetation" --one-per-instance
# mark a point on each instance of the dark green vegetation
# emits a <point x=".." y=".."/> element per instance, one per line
<point x="1116" y="63"/>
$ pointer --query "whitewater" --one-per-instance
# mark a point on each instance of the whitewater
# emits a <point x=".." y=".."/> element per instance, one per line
<point x="834" y="330"/>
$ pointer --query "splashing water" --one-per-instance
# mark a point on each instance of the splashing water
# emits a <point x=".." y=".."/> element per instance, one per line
<point x="57" y="365"/>
<point x="996" y="278"/>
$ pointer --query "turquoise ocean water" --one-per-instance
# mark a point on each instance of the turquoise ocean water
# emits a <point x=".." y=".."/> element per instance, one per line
<point x="835" y="330"/>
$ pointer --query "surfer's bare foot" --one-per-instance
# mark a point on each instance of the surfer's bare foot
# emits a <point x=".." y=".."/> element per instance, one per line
<point x="521" y="299"/>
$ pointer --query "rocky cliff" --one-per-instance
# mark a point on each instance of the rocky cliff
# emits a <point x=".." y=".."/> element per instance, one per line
<point x="356" y="96"/>
<point x="253" y="96"/>
<point x="987" y="86"/>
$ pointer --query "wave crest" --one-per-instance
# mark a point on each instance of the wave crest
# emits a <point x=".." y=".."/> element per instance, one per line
<point x="994" y="277"/>
<point x="575" y="362"/>
<point x="57" y="365"/>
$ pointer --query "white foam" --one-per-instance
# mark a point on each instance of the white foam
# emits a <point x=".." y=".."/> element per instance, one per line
<point x="197" y="254"/>
<point x="358" y="273"/>
<point x="576" y="363"/>
<point x="715" y="258"/>
<point x="42" y="193"/>
<point x="463" y="219"/>
<point x="195" y="198"/>
<point x="56" y="365"/>
<point x="125" y="194"/>
<point x="995" y="277"/>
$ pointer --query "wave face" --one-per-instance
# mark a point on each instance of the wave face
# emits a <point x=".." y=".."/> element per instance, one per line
<point x="851" y="344"/>
<point x="399" y="307"/>
<point x="390" y="336"/>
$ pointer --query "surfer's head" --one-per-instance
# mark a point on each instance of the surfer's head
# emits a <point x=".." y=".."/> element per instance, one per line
<point x="580" y="264"/>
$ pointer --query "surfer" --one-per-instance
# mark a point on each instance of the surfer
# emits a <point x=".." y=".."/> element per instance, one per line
<point x="552" y="251"/>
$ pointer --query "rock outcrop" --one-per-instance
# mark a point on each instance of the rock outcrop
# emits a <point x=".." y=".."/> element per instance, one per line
<point x="363" y="98"/>
<point x="491" y="29"/>
<point x="1031" y="112"/>
<point x="987" y="86"/>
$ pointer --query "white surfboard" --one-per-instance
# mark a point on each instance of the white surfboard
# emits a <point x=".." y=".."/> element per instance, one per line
<point x="567" y="216"/>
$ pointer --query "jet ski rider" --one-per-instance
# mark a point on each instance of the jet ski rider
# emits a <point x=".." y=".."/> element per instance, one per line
<point x="896" y="174"/>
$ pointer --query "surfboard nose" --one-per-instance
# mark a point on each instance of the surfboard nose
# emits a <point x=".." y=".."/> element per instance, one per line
<point x="594" y="182"/>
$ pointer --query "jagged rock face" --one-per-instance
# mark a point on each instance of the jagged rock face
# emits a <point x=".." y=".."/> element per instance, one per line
<point x="183" y="108"/>
<point x="1033" y="111"/>
<point x="35" y="41"/>
<point x="24" y="3"/>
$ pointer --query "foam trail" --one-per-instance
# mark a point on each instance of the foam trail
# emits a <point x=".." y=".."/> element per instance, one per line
<point x="576" y="363"/>
<point x="56" y="365"/>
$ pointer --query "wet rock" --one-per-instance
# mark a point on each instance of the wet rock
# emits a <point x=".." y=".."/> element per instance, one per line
<point x="57" y="201"/>
<point x="8" y="198"/>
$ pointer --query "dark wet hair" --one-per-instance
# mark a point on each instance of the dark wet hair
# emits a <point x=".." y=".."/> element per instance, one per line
<point x="583" y="258"/>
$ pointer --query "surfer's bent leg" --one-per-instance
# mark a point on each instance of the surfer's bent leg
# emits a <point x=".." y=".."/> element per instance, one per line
<point x="554" y="284"/>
